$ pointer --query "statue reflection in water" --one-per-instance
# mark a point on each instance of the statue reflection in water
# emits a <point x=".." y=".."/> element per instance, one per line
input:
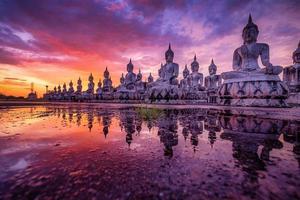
<point x="191" y="121"/>
<point x="128" y="122"/>
<point x="247" y="135"/>
<point x="212" y="125"/>
<point x="167" y="131"/>
<point x="252" y="138"/>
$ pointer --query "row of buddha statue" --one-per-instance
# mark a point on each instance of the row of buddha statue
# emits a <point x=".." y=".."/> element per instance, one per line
<point x="247" y="85"/>
<point x="132" y="87"/>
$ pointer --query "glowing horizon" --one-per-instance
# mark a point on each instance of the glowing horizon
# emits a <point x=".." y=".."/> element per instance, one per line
<point x="49" y="43"/>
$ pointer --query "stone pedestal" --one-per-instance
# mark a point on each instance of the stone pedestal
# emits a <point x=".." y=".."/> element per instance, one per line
<point x="254" y="89"/>
<point x="124" y="94"/>
<point x="197" y="95"/>
<point x="212" y="96"/>
<point x="294" y="99"/>
<point x="163" y="92"/>
<point x="107" y="96"/>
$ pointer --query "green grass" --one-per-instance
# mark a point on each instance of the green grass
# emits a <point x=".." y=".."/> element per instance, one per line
<point x="149" y="113"/>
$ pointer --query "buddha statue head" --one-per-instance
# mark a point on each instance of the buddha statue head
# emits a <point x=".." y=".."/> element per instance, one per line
<point x="79" y="81"/>
<point x="71" y="84"/>
<point x="185" y="72"/>
<point x="150" y="78"/>
<point x="212" y="68"/>
<point x="139" y="76"/>
<point x="169" y="55"/>
<point x="55" y="90"/>
<point x="296" y="54"/>
<point x="250" y="32"/>
<point x="91" y="78"/>
<point x="64" y="86"/>
<point x="122" y="79"/>
<point x="129" y="66"/>
<point x="99" y="83"/>
<point x="195" y="65"/>
<point x="106" y="73"/>
<point x="59" y="88"/>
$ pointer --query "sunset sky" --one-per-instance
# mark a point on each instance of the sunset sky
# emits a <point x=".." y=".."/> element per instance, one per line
<point x="50" y="42"/>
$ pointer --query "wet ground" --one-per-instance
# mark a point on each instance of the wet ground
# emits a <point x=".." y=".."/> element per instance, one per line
<point x="86" y="152"/>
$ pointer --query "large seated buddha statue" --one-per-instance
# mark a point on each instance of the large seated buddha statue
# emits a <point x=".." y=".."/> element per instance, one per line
<point x="139" y="86"/>
<point x="195" y="80"/>
<point x="99" y="90"/>
<point x="212" y="83"/>
<point x="78" y="93"/>
<point x="166" y="86"/>
<point x="127" y="89"/>
<point x="107" y="89"/>
<point x="184" y="83"/>
<point x="71" y="91"/>
<point x="291" y="76"/>
<point x="89" y="93"/>
<point x="249" y="84"/>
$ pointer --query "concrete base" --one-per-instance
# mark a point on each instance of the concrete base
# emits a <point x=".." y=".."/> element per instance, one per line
<point x="294" y="99"/>
<point x="261" y="91"/>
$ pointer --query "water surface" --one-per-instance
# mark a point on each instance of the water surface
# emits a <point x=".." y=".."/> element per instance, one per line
<point x="81" y="152"/>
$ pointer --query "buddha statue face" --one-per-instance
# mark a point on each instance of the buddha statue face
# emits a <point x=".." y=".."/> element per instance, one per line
<point x="212" y="70"/>
<point x="169" y="55"/>
<point x="106" y="74"/>
<point x="122" y="79"/>
<point x="297" y="58"/>
<point x="91" y="78"/>
<point x="169" y="58"/>
<point x="129" y="68"/>
<point x="150" y="79"/>
<point x="185" y="72"/>
<point x="139" y="77"/>
<point x="250" y="32"/>
<point x="296" y="54"/>
<point x="250" y="35"/>
<point x="195" y="68"/>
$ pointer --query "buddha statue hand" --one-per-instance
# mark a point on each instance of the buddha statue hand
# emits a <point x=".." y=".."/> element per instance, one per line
<point x="272" y="70"/>
<point x="173" y="80"/>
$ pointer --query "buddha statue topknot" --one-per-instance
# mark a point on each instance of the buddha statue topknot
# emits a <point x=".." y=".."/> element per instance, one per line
<point x="248" y="84"/>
